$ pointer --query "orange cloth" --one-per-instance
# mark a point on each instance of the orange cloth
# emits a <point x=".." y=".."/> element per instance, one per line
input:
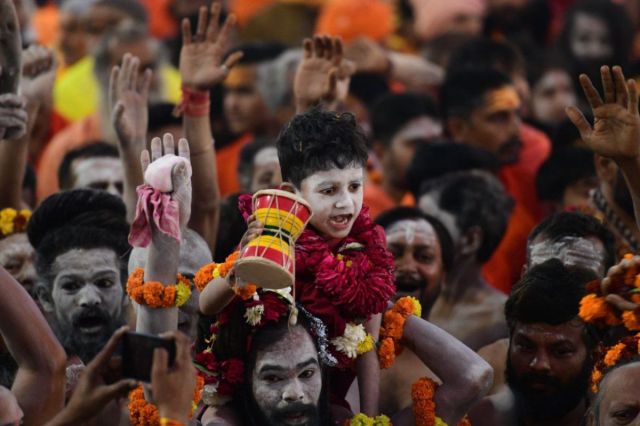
<point x="351" y="19"/>
<point x="505" y="266"/>
<point x="161" y="24"/>
<point x="227" y="159"/>
<point x="379" y="201"/>
<point x="45" y="23"/>
<point x="76" y="135"/>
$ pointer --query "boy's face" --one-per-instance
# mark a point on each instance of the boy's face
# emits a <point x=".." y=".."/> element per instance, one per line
<point x="335" y="197"/>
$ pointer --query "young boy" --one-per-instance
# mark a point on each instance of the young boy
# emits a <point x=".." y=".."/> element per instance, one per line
<point x="344" y="274"/>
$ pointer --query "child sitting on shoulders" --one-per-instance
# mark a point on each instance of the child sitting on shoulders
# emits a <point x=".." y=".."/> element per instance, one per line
<point x="344" y="273"/>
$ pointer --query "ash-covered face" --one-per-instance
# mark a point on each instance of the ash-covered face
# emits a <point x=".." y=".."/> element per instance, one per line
<point x="335" y="197"/>
<point x="287" y="380"/>
<point x="551" y="95"/>
<point x="418" y="259"/>
<point x="86" y="299"/>
<point x="590" y="39"/>
<point x="104" y="173"/>
<point x="618" y="400"/>
<point x="17" y="257"/>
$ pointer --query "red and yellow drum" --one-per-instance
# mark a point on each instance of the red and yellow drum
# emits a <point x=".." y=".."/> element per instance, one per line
<point x="269" y="260"/>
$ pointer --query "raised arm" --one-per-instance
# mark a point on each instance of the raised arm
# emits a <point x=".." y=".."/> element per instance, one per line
<point x="128" y="99"/>
<point x="465" y="376"/>
<point x="323" y="76"/>
<point x="615" y="133"/>
<point x="202" y="66"/>
<point x="40" y="380"/>
<point x="20" y="112"/>
<point x="164" y="250"/>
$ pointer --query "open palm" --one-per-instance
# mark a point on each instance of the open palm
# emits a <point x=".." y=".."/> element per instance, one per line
<point x="201" y="57"/>
<point x="616" y="129"/>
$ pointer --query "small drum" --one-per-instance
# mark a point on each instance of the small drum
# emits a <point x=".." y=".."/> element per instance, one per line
<point x="268" y="261"/>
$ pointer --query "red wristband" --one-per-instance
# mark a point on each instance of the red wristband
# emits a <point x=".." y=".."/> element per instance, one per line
<point x="195" y="103"/>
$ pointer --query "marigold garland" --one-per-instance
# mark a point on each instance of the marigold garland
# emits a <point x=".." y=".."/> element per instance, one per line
<point x="424" y="409"/>
<point x="393" y="327"/>
<point x="627" y="348"/>
<point x="364" y="420"/>
<point x="143" y="413"/>
<point x="13" y="221"/>
<point x="212" y="271"/>
<point x="156" y="295"/>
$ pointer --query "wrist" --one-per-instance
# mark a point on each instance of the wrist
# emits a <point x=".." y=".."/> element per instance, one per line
<point x="170" y="417"/>
<point x="195" y="101"/>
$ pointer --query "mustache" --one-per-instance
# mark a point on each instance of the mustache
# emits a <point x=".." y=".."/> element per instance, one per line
<point x="530" y="378"/>
<point x="90" y="314"/>
<point x="409" y="281"/>
<point x="308" y="410"/>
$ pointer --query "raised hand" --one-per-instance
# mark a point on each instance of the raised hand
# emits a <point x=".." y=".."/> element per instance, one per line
<point x="13" y="116"/>
<point x="38" y="73"/>
<point x="180" y="171"/>
<point x="616" y="129"/>
<point x="92" y="394"/>
<point x="323" y="74"/>
<point x="128" y="100"/>
<point x="201" y="57"/>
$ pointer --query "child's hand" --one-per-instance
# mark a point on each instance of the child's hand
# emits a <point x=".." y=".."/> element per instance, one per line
<point x="254" y="230"/>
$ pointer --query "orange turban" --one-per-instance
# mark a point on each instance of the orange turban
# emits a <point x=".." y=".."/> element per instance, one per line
<point x="351" y="19"/>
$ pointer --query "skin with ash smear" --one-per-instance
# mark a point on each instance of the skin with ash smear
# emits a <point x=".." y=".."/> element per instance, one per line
<point x="104" y="173"/>
<point x="283" y="376"/>
<point x="10" y="51"/>
<point x="551" y="95"/>
<point x="17" y="257"/>
<point x="428" y="204"/>
<point x="582" y="252"/>
<point x="86" y="278"/>
<point x="335" y="197"/>
<point x="618" y="402"/>
<point x="266" y="170"/>
<point x="418" y="259"/>
<point x="590" y="38"/>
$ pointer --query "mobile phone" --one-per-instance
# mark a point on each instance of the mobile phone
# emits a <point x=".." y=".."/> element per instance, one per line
<point x="137" y="354"/>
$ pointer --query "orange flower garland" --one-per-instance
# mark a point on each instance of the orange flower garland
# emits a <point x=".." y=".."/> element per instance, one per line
<point x="143" y="413"/>
<point x="424" y="409"/>
<point x="392" y="329"/>
<point x="156" y="295"/>
<point x="212" y="271"/>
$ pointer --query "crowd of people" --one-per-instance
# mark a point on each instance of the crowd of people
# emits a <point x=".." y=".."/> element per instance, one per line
<point x="470" y="171"/>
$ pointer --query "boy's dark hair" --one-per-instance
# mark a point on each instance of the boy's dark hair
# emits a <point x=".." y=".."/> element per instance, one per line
<point x="161" y="115"/>
<point x="574" y="224"/>
<point x="474" y="198"/>
<point x="247" y="155"/>
<point x="437" y="158"/>
<point x="464" y="90"/>
<point x="485" y="53"/>
<point x="94" y="149"/>
<point x="393" y="111"/>
<point x="548" y="293"/>
<point x="320" y="140"/>
<point x="564" y="167"/>
<point x="397" y="214"/>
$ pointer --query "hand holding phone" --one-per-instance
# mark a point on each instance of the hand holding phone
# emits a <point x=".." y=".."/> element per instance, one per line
<point x="137" y="354"/>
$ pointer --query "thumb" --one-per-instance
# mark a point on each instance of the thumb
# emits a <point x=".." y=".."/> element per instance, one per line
<point x="578" y="120"/>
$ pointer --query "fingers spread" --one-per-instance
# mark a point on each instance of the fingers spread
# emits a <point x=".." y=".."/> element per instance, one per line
<point x="144" y="160"/>
<point x="607" y="84"/>
<point x="168" y="144"/>
<point x="578" y="119"/>
<point x="156" y="149"/>
<point x="590" y="92"/>
<point x="186" y="32"/>
<point x="183" y="148"/>
<point x="214" y="17"/>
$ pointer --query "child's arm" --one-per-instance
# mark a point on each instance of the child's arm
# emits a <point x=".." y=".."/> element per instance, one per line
<point x="219" y="292"/>
<point x="368" y="369"/>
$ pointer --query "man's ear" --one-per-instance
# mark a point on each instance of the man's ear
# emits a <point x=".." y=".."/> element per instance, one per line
<point x="44" y="297"/>
<point x="456" y="128"/>
<point x="471" y="241"/>
<point x="606" y="169"/>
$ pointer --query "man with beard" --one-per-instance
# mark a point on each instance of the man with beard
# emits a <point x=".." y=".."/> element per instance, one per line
<point x="549" y="357"/>
<point x="423" y="253"/>
<point x="481" y="108"/>
<point x="80" y="238"/>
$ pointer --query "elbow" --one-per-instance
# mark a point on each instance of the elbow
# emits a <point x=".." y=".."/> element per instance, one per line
<point x="479" y="380"/>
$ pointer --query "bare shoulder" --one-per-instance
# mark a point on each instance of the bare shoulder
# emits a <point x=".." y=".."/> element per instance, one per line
<point x="496" y="355"/>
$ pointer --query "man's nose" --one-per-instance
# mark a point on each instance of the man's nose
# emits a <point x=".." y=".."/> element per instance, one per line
<point x="293" y="392"/>
<point x="88" y="296"/>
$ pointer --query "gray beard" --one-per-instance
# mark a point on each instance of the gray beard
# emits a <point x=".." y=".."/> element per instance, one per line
<point x="86" y="347"/>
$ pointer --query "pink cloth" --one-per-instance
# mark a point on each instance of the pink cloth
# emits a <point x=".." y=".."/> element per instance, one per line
<point x="157" y="208"/>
